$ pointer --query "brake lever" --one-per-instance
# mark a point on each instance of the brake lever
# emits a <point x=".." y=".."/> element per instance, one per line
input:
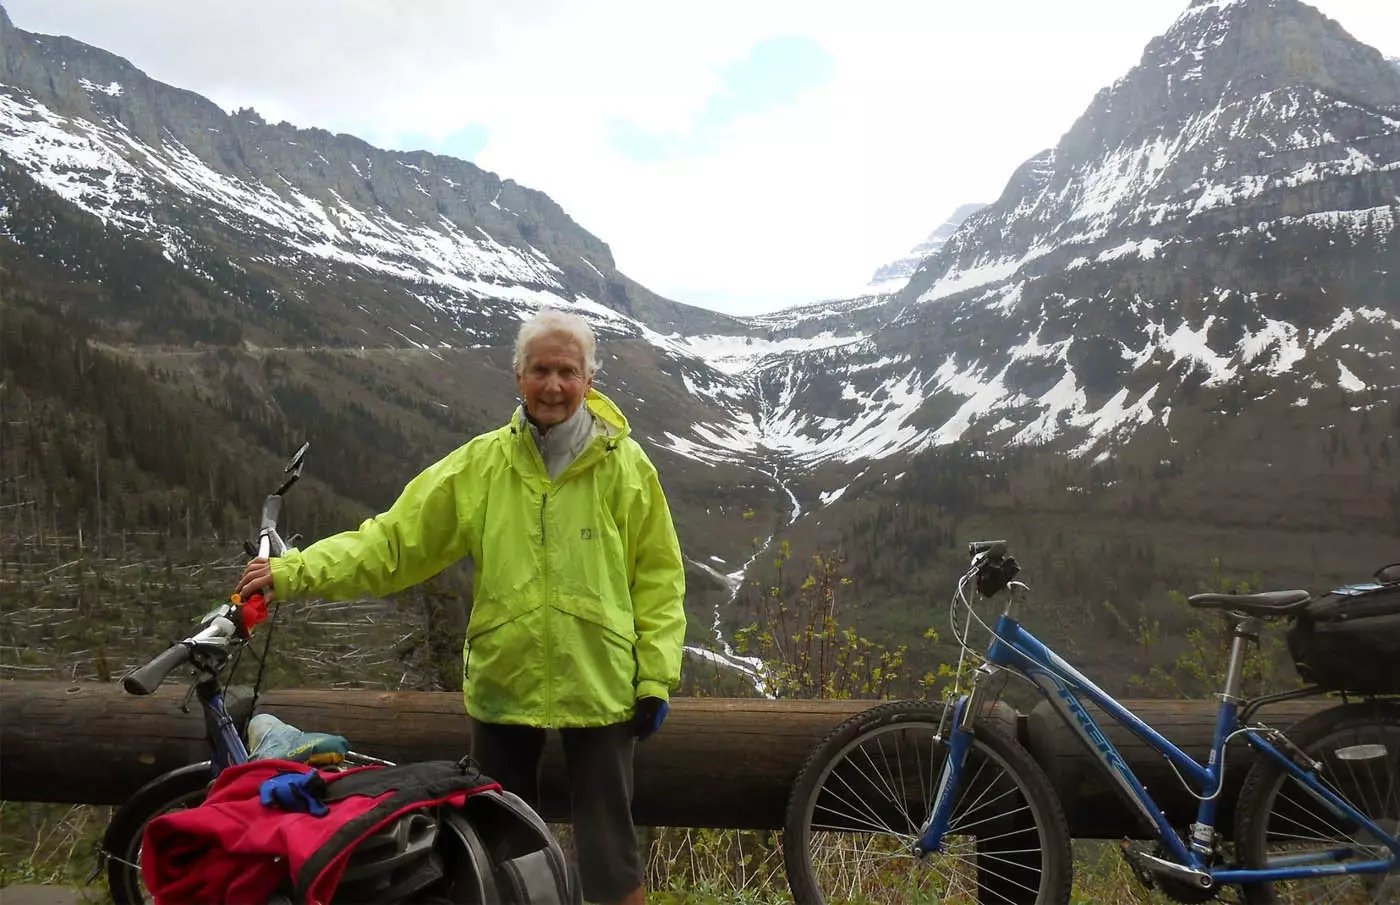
<point x="185" y="704"/>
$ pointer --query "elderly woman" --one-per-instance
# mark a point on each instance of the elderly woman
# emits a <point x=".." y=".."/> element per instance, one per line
<point x="577" y="621"/>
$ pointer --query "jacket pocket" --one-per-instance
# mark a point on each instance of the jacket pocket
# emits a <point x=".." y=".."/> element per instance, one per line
<point x="501" y="667"/>
<point x="493" y="607"/>
<point x="601" y="614"/>
<point x="597" y="651"/>
<point x="490" y="617"/>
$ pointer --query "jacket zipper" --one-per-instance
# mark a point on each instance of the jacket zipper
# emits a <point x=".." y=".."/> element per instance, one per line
<point x="548" y="653"/>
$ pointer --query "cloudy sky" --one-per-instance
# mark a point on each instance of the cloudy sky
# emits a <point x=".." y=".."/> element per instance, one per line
<point x="735" y="154"/>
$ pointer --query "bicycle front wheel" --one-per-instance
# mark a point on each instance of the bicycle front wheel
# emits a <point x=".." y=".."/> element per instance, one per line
<point x="858" y="804"/>
<point x="1279" y="819"/>
<point x="173" y="791"/>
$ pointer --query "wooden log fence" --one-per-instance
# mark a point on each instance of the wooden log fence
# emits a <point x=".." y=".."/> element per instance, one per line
<point x="718" y="762"/>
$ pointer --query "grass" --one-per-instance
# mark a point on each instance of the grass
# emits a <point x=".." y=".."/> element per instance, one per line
<point x="49" y="844"/>
<point x="54" y="845"/>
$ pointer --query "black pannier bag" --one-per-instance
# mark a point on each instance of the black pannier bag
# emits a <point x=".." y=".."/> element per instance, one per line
<point x="1349" y="640"/>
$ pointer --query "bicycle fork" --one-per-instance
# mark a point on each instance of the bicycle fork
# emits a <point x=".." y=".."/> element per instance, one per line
<point x="986" y="687"/>
<point x="959" y="740"/>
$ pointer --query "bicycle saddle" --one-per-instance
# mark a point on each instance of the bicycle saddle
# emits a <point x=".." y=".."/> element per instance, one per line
<point x="1269" y="603"/>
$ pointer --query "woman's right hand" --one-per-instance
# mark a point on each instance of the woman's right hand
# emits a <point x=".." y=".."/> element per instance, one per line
<point x="256" y="577"/>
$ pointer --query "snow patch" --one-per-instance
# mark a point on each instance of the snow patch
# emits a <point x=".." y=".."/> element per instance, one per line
<point x="979" y="274"/>
<point x="112" y="89"/>
<point x="741" y="354"/>
<point x="1142" y="248"/>
<point x="1349" y="381"/>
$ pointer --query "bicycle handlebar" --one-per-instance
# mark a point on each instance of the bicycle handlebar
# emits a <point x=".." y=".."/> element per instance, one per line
<point x="146" y="679"/>
<point x="992" y="565"/>
<point x="272" y="508"/>
<point x="994" y="548"/>
<point x="228" y="621"/>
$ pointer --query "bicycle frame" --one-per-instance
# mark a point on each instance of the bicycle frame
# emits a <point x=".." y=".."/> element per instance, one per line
<point x="1016" y="649"/>
<point x="227" y="744"/>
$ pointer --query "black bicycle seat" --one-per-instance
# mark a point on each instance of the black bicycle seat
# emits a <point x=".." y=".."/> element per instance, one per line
<point x="1266" y="604"/>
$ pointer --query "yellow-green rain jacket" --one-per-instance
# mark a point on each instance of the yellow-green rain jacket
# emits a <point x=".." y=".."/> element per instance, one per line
<point x="579" y="582"/>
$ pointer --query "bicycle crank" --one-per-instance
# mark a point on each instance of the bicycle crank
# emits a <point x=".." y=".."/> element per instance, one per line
<point x="1176" y="881"/>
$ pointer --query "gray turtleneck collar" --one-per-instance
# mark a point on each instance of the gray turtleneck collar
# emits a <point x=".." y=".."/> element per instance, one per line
<point x="561" y="444"/>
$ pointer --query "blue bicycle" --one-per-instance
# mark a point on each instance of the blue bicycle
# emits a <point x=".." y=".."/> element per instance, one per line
<point x="925" y="802"/>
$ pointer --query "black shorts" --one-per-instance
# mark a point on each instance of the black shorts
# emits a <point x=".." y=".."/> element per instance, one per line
<point x="600" y="794"/>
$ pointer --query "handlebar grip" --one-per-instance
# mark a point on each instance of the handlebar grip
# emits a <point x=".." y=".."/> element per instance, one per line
<point x="997" y="548"/>
<point x="146" y="679"/>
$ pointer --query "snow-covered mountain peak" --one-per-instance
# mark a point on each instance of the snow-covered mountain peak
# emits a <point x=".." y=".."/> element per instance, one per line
<point x="1236" y="101"/>
<point x="1127" y="259"/>
<point x="893" y="276"/>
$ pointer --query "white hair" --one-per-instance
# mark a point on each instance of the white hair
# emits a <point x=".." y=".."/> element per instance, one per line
<point x="553" y="322"/>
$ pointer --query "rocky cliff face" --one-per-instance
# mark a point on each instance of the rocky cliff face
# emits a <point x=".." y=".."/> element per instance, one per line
<point x="1228" y="205"/>
<point x="1243" y="111"/>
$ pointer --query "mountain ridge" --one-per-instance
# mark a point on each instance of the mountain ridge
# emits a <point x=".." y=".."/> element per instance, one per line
<point x="217" y="153"/>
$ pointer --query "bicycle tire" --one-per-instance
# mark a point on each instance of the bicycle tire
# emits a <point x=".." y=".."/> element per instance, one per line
<point x="180" y="788"/>
<point x="1267" y="786"/>
<point x="1044" y="858"/>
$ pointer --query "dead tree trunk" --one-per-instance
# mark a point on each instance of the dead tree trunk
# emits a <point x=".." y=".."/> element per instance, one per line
<point x="718" y="762"/>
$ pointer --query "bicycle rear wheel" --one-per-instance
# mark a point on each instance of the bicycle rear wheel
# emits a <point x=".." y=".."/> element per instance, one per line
<point x="1358" y="746"/>
<point x="859" y="801"/>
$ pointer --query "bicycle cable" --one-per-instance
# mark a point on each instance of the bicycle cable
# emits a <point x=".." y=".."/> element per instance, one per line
<point x="1220" y="783"/>
<point x="961" y="594"/>
<point x="963" y="648"/>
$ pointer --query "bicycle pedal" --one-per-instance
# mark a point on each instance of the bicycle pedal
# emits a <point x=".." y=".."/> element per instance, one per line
<point x="1136" y="865"/>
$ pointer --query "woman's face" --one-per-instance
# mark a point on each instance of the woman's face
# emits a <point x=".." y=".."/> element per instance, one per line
<point x="554" y="379"/>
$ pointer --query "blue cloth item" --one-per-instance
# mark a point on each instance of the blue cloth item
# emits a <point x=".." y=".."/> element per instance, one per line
<point x="295" y="792"/>
<point x="651" y="712"/>
<point x="269" y="737"/>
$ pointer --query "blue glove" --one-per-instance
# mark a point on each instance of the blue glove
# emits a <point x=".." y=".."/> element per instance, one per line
<point x="649" y="716"/>
<point x="295" y="792"/>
